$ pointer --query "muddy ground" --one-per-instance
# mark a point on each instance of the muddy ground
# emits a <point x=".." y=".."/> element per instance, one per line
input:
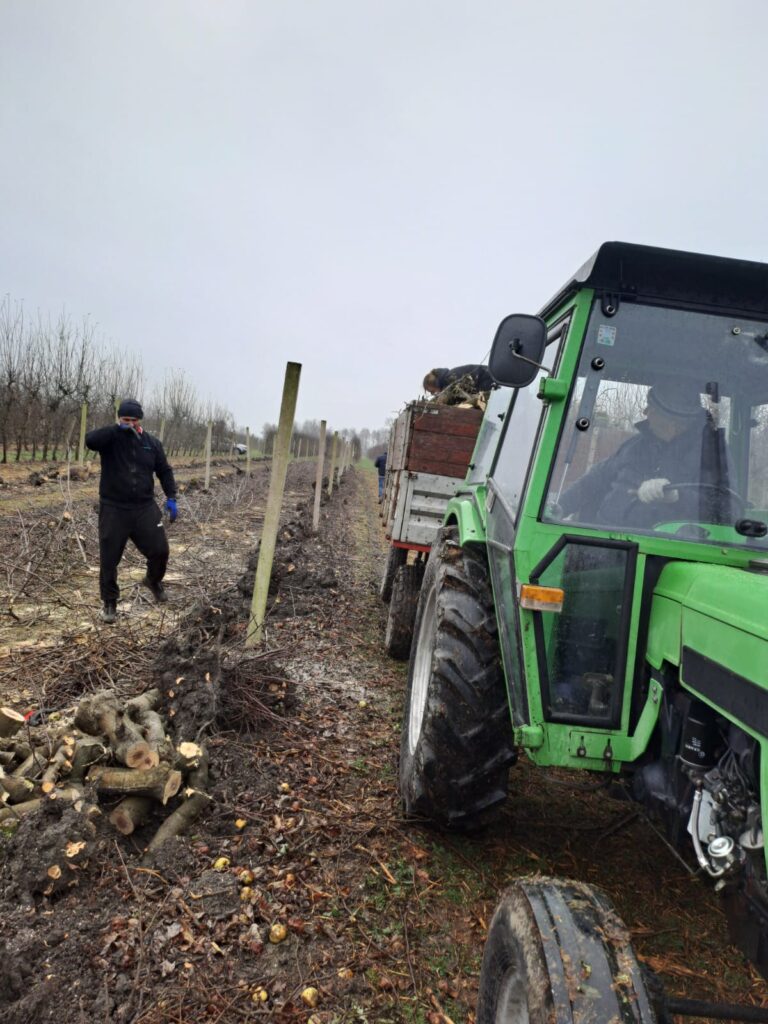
<point x="384" y="919"/>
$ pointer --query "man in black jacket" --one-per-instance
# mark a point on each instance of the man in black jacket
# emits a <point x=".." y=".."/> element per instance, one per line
<point x="130" y="459"/>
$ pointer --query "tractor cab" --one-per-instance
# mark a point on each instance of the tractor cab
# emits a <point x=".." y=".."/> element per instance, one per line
<point x="644" y="445"/>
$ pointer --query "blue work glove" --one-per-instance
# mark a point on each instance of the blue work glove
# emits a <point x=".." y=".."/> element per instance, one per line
<point x="125" y="426"/>
<point x="173" y="510"/>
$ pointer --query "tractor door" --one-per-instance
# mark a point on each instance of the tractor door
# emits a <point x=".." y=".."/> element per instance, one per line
<point x="565" y="660"/>
<point x="581" y="646"/>
<point x="520" y="433"/>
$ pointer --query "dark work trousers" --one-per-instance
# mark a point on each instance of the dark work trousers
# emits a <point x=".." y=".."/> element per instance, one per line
<point x="144" y="526"/>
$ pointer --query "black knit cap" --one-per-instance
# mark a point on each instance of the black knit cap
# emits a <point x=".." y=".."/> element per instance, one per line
<point x="130" y="407"/>
<point x="676" y="397"/>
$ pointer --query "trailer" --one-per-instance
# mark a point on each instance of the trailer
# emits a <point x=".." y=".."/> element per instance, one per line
<point x="430" y="449"/>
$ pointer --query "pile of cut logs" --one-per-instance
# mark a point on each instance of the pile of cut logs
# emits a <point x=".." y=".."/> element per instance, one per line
<point x="105" y="751"/>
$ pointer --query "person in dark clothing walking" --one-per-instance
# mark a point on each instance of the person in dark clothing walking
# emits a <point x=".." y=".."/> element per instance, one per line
<point x="130" y="459"/>
<point x="381" y="466"/>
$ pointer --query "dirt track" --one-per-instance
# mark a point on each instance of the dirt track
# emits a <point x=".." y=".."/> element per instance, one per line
<point x="384" y="918"/>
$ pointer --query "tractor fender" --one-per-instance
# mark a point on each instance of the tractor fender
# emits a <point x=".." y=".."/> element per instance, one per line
<point x="465" y="514"/>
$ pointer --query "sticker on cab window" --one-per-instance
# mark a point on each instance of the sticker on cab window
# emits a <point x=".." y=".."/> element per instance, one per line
<point x="606" y="335"/>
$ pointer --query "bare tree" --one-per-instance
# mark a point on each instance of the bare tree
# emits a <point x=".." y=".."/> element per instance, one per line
<point x="11" y="361"/>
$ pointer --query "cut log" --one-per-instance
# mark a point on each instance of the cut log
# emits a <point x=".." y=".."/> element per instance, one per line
<point x="131" y="813"/>
<point x="153" y="731"/>
<point x="7" y="757"/>
<point x="13" y="812"/>
<point x="134" y="753"/>
<point x="97" y="714"/>
<point x="21" y="750"/>
<point x="17" y="790"/>
<point x="87" y="752"/>
<point x="161" y="783"/>
<point x="10" y="722"/>
<point x="147" y="701"/>
<point x="186" y="813"/>
<point x="130" y="748"/>
<point x="60" y="762"/>
<point x="71" y="795"/>
<point x="151" y="725"/>
<point x="31" y="767"/>
<point x="188" y="756"/>
<point x="101" y="715"/>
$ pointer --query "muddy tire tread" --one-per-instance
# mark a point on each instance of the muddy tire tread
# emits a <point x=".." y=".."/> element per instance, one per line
<point x="457" y="775"/>
<point x="402" y="611"/>
<point x="395" y="558"/>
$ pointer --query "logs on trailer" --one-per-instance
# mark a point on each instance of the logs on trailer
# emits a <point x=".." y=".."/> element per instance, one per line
<point x="117" y="751"/>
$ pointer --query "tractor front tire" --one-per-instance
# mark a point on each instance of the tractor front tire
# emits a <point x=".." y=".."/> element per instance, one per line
<point x="456" y="746"/>
<point x="402" y="610"/>
<point x="558" y="952"/>
<point x="395" y="558"/>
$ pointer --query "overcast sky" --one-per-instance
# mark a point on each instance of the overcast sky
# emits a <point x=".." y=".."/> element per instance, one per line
<point x="363" y="187"/>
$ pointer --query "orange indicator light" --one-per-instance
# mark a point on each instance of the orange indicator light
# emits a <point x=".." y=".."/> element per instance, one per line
<point x="541" y="599"/>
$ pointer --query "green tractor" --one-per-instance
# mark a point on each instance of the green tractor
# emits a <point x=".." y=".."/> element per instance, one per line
<point x="597" y="597"/>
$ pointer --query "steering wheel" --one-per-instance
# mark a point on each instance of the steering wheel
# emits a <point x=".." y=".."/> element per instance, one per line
<point x="718" y="488"/>
<point x="698" y="485"/>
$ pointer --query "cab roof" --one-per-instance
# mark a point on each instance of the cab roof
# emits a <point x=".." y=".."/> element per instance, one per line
<point x="670" y="277"/>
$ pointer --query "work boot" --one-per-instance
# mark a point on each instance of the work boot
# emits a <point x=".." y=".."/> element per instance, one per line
<point x="109" y="612"/>
<point x="158" y="590"/>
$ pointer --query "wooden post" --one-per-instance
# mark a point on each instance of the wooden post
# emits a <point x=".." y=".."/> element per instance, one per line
<point x="319" y="478"/>
<point x="161" y="432"/>
<point x="332" y="465"/>
<point x="280" y="456"/>
<point x="208" y="436"/>
<point x="81" y="444"/>
<point x="343" y="459"/>
<point x="247" y="451"/>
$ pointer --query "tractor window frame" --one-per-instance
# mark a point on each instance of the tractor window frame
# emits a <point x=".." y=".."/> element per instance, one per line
<point x="502" y="558"/>
<point x="596" y="309"/>
<point x="622" y="647"/>
<point x="556" y="335"/>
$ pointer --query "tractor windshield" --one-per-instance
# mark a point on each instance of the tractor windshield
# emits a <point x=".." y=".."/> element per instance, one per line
<point x="667" y="427"/>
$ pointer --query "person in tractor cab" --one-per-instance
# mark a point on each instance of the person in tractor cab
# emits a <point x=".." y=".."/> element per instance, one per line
<point x="677" y="442"/>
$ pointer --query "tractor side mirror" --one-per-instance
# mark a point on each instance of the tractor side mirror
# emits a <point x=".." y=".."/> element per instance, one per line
<point x="517" y="350"/>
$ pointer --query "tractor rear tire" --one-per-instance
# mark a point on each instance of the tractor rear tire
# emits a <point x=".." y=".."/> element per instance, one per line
<point x="395" y="558"/>
<point x="402" y="610"/>
<point x="456" y="746"/>
<point x="558" y="952"/>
